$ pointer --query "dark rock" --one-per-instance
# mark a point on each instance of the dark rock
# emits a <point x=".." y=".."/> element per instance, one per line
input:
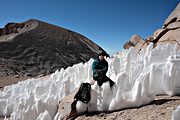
<point x="11" y="28"/>
<point x="16" y="76"/>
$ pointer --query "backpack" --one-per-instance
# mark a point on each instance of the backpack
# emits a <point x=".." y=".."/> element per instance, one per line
<point x="84" y="93"/>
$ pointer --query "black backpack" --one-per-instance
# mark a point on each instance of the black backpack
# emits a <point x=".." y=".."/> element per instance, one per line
<point x="84" y="93"/>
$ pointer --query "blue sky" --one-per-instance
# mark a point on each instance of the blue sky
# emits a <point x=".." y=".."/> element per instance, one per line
<point x="109" y="23"/>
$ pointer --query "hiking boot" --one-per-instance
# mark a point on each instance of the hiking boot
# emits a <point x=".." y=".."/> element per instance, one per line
<point x="72" y="115"/>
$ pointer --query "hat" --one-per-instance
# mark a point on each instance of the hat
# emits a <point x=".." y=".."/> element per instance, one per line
<point x="103" y="53"/>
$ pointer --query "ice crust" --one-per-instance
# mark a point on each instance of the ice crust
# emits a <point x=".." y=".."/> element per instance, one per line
<point x="176" y="114"/>
<point x="138" y="79"/>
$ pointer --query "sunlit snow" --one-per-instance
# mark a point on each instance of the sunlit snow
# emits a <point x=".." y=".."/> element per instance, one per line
<point x="176" y="114"/>
<point x="138" y="77"/>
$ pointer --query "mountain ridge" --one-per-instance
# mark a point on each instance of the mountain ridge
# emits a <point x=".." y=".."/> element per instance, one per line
<point x="42" y="48"/>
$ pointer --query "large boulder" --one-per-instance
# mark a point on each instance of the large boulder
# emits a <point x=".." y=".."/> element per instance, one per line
<point x="169" y="33"/>
<point x="65" y="105"/>
<point x="128" y="44"/>
<point x="172" y="37"/>
<point x="173" y="17"/>
<point x="171" y="29"/>
<point x="135" y="41"/>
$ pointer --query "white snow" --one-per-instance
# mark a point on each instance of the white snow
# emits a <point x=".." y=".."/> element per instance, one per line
<point x="138" y="77"/>
<point x="176" y="114"/>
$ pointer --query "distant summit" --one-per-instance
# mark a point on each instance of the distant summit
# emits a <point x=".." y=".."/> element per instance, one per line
<point x="35" y="47"/>
<point x="169" y="33"/>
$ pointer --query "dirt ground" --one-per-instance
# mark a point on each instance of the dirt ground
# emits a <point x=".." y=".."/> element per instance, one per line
<point x="5" y="81"/>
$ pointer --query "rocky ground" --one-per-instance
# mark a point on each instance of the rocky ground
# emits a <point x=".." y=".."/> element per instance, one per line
<point x="5" y="81"/>
<point x="160" y="109"/>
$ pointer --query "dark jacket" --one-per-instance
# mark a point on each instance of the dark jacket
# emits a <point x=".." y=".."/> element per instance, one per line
<point x="99" y="67"/>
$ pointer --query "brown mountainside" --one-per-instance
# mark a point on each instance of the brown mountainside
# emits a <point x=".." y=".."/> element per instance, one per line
<point x="35" y="47"/>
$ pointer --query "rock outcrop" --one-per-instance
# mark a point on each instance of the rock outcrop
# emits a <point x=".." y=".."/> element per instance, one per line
<point x="135" y="41"/>
<point x="34" y="48"/>
<point x="64" y="107"/>
<point x="169" y="33"/>
<point x="11" y="28"/>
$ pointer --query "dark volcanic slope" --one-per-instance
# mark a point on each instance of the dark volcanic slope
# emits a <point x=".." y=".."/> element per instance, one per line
<point x="41" y="48"/>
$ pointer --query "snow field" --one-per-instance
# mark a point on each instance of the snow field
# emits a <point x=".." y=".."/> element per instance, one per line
<point x="138" y="77"/>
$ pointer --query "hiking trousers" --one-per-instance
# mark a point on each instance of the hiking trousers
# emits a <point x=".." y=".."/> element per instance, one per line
<point x="102" y="79"/>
